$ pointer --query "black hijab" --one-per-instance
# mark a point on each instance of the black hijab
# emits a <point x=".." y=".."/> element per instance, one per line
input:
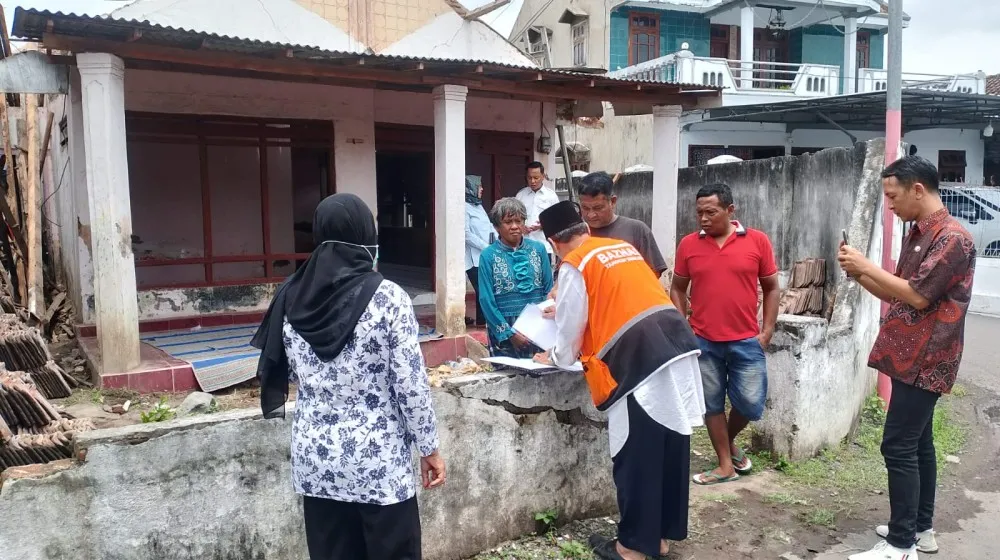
<point x="472" y="185"/>
<point x="324" y="299"/>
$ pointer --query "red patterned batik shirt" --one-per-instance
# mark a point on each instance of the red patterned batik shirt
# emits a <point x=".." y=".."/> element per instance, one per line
<point x="924" y="347"/>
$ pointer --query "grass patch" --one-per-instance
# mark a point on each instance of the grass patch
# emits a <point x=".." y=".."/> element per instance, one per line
<point x="949" y="433"/>
<point x="575" y="550"/>
<point x="821" y="517"/>
<point x="857" y="464"/>
<point x="959" y="390"/>
<point x="784" y="499"/>
<point x="721" y="498"/>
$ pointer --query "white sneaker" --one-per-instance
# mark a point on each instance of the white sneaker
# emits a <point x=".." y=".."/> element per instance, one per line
<point x="926" y="540"/>
<point x="885" y="551"/>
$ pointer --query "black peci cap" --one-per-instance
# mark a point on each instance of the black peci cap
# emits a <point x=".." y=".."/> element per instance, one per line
<point x="559" y="217"/>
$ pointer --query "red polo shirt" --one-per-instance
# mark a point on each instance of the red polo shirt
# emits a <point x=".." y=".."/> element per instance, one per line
<point x="724" y="282"/>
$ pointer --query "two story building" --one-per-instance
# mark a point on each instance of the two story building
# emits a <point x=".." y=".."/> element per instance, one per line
<point x="762" y="53"/>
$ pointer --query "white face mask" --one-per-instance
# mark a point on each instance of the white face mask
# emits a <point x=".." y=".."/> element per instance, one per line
<point x="367" y="249"/>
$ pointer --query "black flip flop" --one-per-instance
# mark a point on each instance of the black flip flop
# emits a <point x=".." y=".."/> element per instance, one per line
<point x="605" y="548"/>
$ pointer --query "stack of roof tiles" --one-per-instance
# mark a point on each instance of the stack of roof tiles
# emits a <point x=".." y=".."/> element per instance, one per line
<point x="22" y="348"/>
<point x="31" y="429"/>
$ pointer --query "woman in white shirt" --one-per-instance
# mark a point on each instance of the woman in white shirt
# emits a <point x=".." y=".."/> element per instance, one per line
<point x="478" y="230"/>
<point x="348" y="339"/>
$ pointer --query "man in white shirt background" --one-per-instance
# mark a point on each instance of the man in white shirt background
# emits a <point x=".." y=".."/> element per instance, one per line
<point x="536" y="197"/>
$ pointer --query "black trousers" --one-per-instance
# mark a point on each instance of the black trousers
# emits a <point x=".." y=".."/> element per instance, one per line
<point x="348" y="531"/>
<point x="910" y="458"/>
<point x="651" y="475"/>
<point x="473" y="274"/>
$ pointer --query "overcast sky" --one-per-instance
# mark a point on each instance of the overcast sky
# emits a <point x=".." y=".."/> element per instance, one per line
<point x="944" y="37"/>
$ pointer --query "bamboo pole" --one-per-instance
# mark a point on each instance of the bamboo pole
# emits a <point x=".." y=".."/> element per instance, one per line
<point x="33" y="210"/>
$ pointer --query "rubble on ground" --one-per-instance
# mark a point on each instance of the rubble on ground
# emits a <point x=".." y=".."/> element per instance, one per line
<point x="465" y="366"/>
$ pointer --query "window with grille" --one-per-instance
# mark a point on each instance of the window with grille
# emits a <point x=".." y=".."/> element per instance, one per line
<point x="644" y="37"/>
<point x="951" y="166"/>
<point x="580" y="33"/>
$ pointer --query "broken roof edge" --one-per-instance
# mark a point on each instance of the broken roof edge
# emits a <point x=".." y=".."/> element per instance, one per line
<point x="86" y="32"/>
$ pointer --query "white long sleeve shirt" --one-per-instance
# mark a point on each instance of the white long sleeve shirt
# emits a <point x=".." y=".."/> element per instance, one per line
<point x="537" y="202"/>
<point x="673" y="395"/>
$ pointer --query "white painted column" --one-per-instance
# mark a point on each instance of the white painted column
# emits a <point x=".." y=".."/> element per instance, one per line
<point x="82" y="285"/>
<point x="102" y="78"/>
<point x="666" y="154"/>
<point x="849" y="79"/>
<point x="746" y="46"/>
<point x="354" y="152"/>
<point x="449" y="208"/>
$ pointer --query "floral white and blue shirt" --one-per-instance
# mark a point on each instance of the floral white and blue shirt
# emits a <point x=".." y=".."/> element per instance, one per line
<point x="358" y="416"/>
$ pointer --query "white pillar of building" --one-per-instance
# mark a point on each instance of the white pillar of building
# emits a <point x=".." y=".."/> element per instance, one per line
<point x="449" y="208"/>
<point x="746" y="46"/>
<point x="102" y="78"/>
<point x="849" y="79"/>
<point x="666" y="154"/>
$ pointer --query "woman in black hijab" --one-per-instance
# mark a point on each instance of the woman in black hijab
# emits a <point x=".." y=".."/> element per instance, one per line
<point x="348" y="338"/>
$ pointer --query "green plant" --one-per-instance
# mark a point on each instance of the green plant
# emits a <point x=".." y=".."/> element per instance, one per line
<point x="822" y="517"/>
<point x="547" y="517"/>
<point x="159" y="413"/>
<point x="574" y="550"/>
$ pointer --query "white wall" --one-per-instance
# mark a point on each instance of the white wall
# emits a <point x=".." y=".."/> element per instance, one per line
<point x="986" y="287"/>
<point x="929" y="142"/>
<point x="547" y="13"/>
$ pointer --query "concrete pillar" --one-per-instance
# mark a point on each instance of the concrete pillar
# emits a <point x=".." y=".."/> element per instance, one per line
<point x="746" y="46"/>
<point x="102" y="78"/>
<point x="849" y="79"/>
<point x="666" y="152"/>
<point x="449" y="208"/>
<point x="354" y="152"/>
<point x="81" y="285"/>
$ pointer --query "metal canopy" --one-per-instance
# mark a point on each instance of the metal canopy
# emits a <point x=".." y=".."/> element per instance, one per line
<point x="922" y="110"/>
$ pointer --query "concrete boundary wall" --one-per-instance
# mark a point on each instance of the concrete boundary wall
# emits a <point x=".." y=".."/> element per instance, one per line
<point x="986" y="286"/>
<point x="218" y="487"/>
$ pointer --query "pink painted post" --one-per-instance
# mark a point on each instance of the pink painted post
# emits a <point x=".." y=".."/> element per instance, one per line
<point x="893" y="133"/>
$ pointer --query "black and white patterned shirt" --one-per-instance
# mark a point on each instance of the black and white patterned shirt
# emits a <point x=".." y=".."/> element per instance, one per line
<point x="358" y="416"/>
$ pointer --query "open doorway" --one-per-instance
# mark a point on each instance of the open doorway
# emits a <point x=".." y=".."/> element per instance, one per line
<point x="405" y="218"/>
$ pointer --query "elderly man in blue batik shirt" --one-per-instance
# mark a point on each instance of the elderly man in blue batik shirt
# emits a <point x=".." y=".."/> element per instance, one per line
<point x="514" y="272"/>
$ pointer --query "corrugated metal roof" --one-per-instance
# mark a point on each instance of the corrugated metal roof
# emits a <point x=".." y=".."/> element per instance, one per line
<point x="31" y="24"/>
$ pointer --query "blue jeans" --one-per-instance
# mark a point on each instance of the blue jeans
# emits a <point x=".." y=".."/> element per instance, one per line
<point x="738" y="369"/>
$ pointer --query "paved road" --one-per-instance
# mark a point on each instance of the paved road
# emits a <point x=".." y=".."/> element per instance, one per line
<point x="976" y="535"/>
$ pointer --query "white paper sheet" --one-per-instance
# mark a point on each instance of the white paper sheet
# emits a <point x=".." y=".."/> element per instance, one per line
<point x="535" y="327"/>
<point x="528" y="364"/>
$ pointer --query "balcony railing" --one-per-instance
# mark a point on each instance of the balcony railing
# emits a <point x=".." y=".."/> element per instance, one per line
<point x="873" y="79"/>
<point x="807" y="80"/>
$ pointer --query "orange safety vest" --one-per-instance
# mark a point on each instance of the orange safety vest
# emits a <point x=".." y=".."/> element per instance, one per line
<point x="632" y="329"/>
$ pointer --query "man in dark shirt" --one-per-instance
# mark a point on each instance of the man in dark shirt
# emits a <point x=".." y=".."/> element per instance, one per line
<point x="597" y="207"/>
<point x="919" y="346"/>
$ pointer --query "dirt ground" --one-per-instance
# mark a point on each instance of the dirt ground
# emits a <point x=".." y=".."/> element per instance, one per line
<point x="799" y="510"/>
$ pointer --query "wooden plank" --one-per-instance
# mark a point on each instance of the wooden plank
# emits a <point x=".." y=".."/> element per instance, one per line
<point x="16" y="224"/>
<point x="33" y="210"/>
<point x="4" y="34"/>
<point x="45" y="141"/>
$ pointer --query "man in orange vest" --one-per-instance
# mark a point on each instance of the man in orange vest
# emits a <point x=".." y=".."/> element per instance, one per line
<point x="640" y="359"/>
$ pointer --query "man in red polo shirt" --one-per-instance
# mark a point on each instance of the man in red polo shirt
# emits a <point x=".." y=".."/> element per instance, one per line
<point x="723" y="264"/>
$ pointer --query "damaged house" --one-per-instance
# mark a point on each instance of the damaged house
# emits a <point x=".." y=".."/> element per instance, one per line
<point x="198" y="138"/>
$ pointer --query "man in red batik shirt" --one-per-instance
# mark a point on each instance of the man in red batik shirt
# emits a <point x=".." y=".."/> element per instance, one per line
<point x="919" y="346"/>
